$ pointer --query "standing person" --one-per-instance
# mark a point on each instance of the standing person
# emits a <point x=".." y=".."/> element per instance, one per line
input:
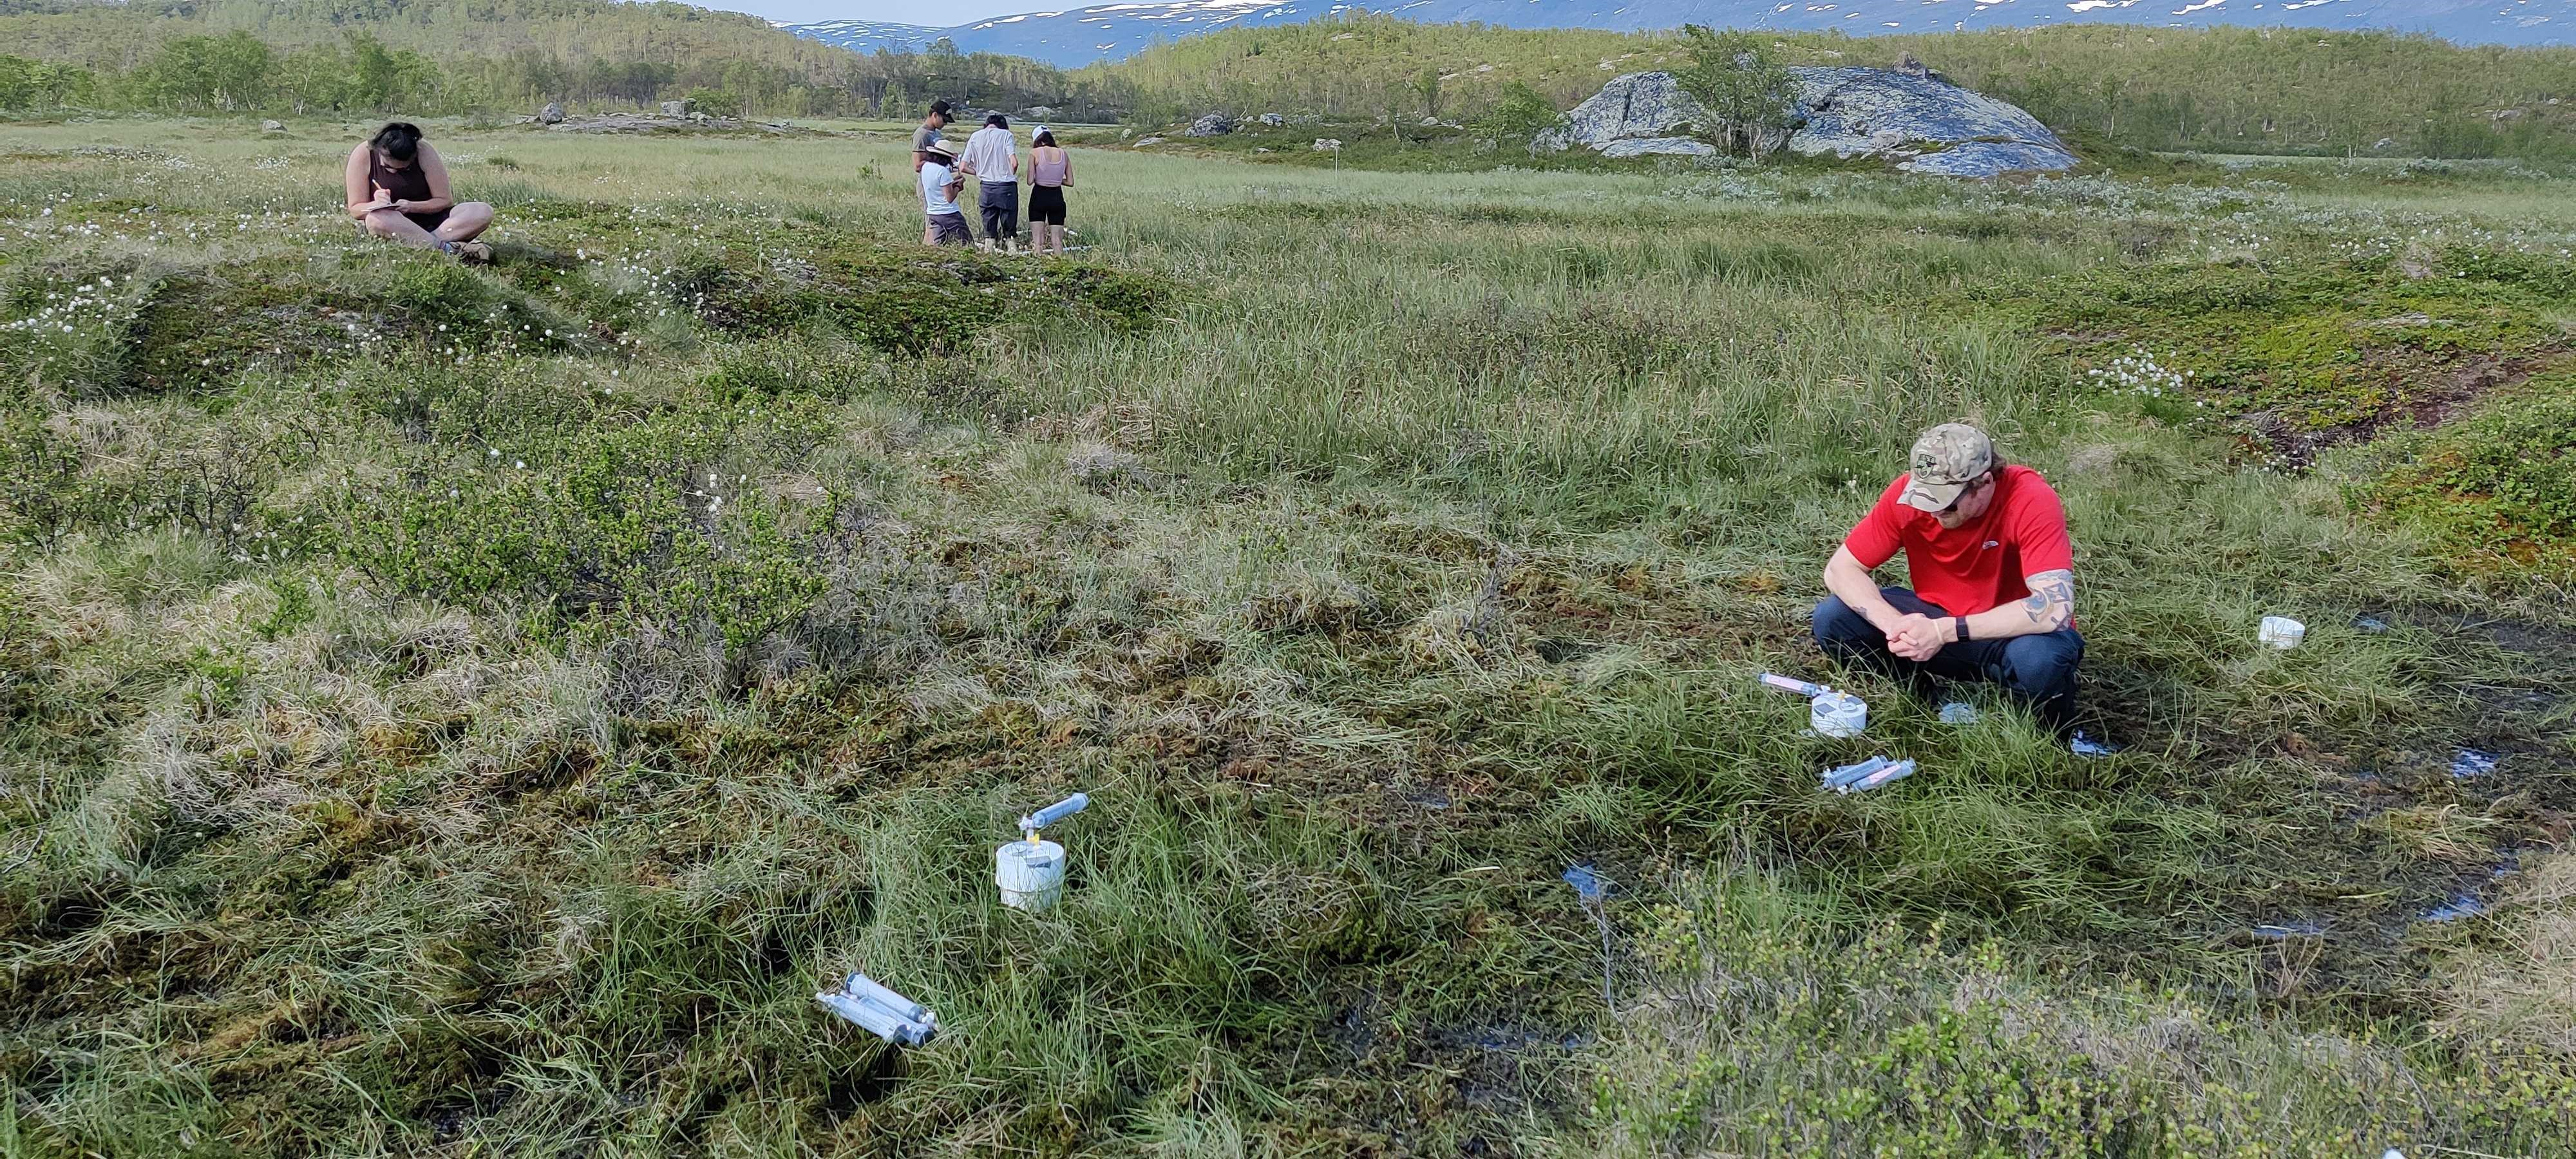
<point x="397" y="188"/>
<point x="1050" y="174"/>
<point x="928" y="132"/>
<point x="993" y="158"/>
<point x="1994" y="579"/>
<point x="942" y="223"/>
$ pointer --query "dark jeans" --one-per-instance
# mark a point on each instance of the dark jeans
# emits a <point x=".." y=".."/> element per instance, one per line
<point x="2039" y="669"/>
<point x="1001" y="210"/>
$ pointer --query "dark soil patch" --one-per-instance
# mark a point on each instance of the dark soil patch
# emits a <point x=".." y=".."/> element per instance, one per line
<point x="853" y="1089"/>
<point x="2419" y="398"/>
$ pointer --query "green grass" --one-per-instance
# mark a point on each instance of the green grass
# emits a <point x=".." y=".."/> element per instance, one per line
<point x="481" y="740"/>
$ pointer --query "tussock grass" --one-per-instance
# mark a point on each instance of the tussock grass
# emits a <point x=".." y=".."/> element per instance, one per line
<point x="481" y="740"/>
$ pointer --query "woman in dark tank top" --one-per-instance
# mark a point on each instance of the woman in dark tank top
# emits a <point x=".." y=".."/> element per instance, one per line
<point x="397" y="189"/>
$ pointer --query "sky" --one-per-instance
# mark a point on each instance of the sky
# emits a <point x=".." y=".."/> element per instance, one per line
<point x="936" y="13"/>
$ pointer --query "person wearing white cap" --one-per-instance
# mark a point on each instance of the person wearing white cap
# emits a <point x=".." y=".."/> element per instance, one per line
<point x="1993" y="599"/>
<point x="942" y="223"/>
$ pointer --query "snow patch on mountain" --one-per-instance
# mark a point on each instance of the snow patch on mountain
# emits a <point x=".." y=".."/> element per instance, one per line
<point x="1080" y="35"/>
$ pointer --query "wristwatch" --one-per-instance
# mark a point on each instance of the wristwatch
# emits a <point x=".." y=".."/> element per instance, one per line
<point x="1962" y="622"/>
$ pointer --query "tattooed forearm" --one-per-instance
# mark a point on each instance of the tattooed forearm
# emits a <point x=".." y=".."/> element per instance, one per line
<point x="2052" y="599"/>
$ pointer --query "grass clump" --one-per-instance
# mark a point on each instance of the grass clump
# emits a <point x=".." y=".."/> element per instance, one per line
<point x="1770" y="1030"/>
<point x="2496" y="489"/>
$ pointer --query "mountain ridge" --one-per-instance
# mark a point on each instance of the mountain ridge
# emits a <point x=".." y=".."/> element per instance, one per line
<point x="1085" y="34"/>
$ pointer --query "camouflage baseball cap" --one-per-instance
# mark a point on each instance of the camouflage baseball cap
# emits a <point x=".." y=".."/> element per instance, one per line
<point x="1946" y="459"/>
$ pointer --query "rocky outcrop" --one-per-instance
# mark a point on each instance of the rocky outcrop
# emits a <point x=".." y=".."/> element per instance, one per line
<point x="675" y="108"/>
<point x="1636" y="106"/>
<point x="1927" y="124"/>
<point x="1909" y="116"/>
<point x="552" y="114"/>
<point x="1211" y="125"/>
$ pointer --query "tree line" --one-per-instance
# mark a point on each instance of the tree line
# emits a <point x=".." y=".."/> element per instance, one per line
<point x="467" y="56"/>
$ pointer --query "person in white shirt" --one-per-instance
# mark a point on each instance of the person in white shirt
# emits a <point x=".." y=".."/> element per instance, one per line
<point x="992" y="158"/>
<point x="942" y="222"/>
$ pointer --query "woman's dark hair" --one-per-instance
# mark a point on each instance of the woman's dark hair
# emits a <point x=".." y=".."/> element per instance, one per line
<point x="1045" y="140"/>
<point x="397" y="141"/>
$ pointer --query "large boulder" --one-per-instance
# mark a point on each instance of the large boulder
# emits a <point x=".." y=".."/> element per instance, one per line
<point x="1908" y="115"/>
<point x="1636" y="106"/>
<point x="1211" y="125"/>
<point x="675" y="108"/>
<point x="1933" y="125"/>
<point x="552" y="114"/>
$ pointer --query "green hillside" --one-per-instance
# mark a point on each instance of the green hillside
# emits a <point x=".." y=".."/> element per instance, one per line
<point x="2238" y="90"/>
<point x="454" y="55"/>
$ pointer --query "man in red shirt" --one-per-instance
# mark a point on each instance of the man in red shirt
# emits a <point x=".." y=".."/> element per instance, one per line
<point x="1993" y="570"/>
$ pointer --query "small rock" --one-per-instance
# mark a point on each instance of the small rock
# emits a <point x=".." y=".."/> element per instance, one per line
<point x="2470" y="764"/>
<point x="1273" y="120"/>
<point x="1261" y="150"/>
<point x="1210" y="125"/>
<point x="552" y="114"/>
<point x="272" y="126"/>
<point x="2385" y="144"/>
<point x="1328" y="144"/>
<point x="1141" y="142"/>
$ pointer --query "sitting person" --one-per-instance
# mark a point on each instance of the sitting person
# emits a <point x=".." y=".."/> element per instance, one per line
<point x="942" y="222"/>
<point x="1994" y="579"/>
<point x="397" y="188"/>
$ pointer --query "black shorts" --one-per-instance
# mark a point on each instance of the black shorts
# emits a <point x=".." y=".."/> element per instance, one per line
<point x="429" y="221"/>
<point x="1046" y="204"/>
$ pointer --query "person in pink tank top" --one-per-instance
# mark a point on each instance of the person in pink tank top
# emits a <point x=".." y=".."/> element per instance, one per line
<point x="1050" y="174"/>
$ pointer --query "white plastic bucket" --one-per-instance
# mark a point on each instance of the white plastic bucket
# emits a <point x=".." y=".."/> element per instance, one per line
<point x="2283" y="632"/>
<point x="1030" y="874"/>
<point x="1838" y="714"/>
